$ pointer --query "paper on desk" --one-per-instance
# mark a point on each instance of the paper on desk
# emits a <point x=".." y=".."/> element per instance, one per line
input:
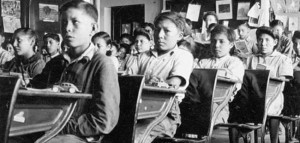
<point x="293" y="23"/>
<point x="193" y="12"/>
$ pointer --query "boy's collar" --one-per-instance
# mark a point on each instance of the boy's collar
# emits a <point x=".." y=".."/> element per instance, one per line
<point x="171" y="52"/>
<point x="87" y="54"/>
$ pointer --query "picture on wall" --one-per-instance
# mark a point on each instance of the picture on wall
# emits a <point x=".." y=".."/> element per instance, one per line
<point x="11" y="8"/>
<point x="48" y="12"/>
<point x="224" y="9"/>
<point x="242" y="10"/>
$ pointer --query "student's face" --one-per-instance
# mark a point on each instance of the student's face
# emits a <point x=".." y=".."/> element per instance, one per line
<point x="243" y="31"/>
<point x="125" y="41"/>
<point x="266" y="44"/>
<point x="296" y="43"/>
<point x="210" y="19"/>
<point x="101" y="44"/>
<point x="52" y="45"/>
<point x="277" y="30"/>
<point x="220" y="45"/>
<point x="10" y="49"/>
<point x="122" y="52"/>
<point x="114" y="51"/>
<point x="166" y="35"/>
<point x="77" y="28"/>
<point x="149" y="30"/>
<point x="23" y="44"/>
<point x="142" y="43"/>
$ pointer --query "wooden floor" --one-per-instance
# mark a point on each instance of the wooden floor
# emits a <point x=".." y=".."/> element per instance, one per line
<point x="221" y="136"/>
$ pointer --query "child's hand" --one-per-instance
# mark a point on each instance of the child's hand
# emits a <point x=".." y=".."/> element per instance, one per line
<point x="155" y="79"/>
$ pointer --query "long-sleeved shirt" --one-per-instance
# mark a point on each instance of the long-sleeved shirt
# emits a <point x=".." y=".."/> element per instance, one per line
<point x="32" y="66"/>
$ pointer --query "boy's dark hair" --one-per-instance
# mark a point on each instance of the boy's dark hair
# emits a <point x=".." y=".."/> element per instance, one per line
<point x="127" y="36"/>
<point x="142" y="32"/>
<point x="275" y="23"/>
<point x="189" y="22"/>
<point x="144" y="25"/>
<point x="52" y="36"/>
<point x="175" y="17"/>
<point x="221" y="29"/>
<point x="104" y="36"/>
<point x="80" y="4"/>
<point x="211" y="13"/>
<point x="27" y="31"/>
<point x="296" y="35"/>
<point x="211" y="26"/>
<point x="265" y="30"/>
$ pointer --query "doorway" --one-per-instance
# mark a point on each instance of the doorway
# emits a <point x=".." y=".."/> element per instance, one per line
<point x="124" y="19"/>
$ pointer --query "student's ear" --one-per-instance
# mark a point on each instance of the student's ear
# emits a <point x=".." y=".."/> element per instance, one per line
<point x="94" y="28"/>
<point x="231" y="45"/>
<point x="276" y="42"/>
<point x="180" y="36"/>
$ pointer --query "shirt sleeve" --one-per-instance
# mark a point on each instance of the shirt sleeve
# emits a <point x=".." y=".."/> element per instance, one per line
<point x="236" y="69"/>
<point x="102" y="112"/>
<point x="183" y="67"/>
<point x="286" y="68"/>
<point x="287" y="48"/>
<point x="38" y="68"/>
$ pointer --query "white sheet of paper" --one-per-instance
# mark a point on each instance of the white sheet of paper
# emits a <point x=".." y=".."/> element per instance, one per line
<point x="193" y="12"/>
<point x="10" y="24"/>
<point x="293" y="23"/>
<point x="254" y="11"/>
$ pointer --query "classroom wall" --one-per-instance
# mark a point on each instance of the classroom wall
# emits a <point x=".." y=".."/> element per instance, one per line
<point x="152" y="9"/>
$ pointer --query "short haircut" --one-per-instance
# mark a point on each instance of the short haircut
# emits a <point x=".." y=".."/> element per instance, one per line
<point x="105" y="36"/>
<point x="265" y="30"/>
<point x="27" y="31"/>
<point x="276" y="23"/>
<point x="89" y="9"/>
<point x="212" y="13"/>
<point x="52" y="36"/>
<point x="142" y="32"/>
<point x="175" y="17"/>
<point x="221" y="29"/>
<point x="144" y="25"/>
<point x="296" y="35"/>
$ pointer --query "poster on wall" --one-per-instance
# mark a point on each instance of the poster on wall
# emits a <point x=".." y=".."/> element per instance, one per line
<point x="48" y="12"/>
<point x="10" y="24"/>
<point x="224" y="9"/>
<point x="293" y="23"/>
<point x="193" y="12"/>
<point x="242" y="10"/>
<point x="11" y="8"/>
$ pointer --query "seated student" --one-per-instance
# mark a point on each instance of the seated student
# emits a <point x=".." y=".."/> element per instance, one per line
<point x="10" y="48"/>
<point x="5" y="56"/>
<point x="243" y="32"/>
<point x="26" y="60"/>
<point x="165" y="63"/>
<point x="279" y="65"/>
<point x="296" y="46"/>
<point x="285" y="45"/>
<point x="103" y="41"/>
<point x="123" y="54"/>
<point x="209" y="18"/>
<point x="125" y="39"/>
<point x="91" y="72"/>
<point x="222" y="40"/>
<point x="52" y="45"/>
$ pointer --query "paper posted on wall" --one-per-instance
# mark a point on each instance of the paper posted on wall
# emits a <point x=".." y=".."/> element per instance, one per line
<point x="193" y="12"/>
<point x="10" y="24"/>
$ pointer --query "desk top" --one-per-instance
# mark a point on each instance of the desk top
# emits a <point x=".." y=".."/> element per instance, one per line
<point x="49" y="93"/>
<point x="159" y="89"/>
